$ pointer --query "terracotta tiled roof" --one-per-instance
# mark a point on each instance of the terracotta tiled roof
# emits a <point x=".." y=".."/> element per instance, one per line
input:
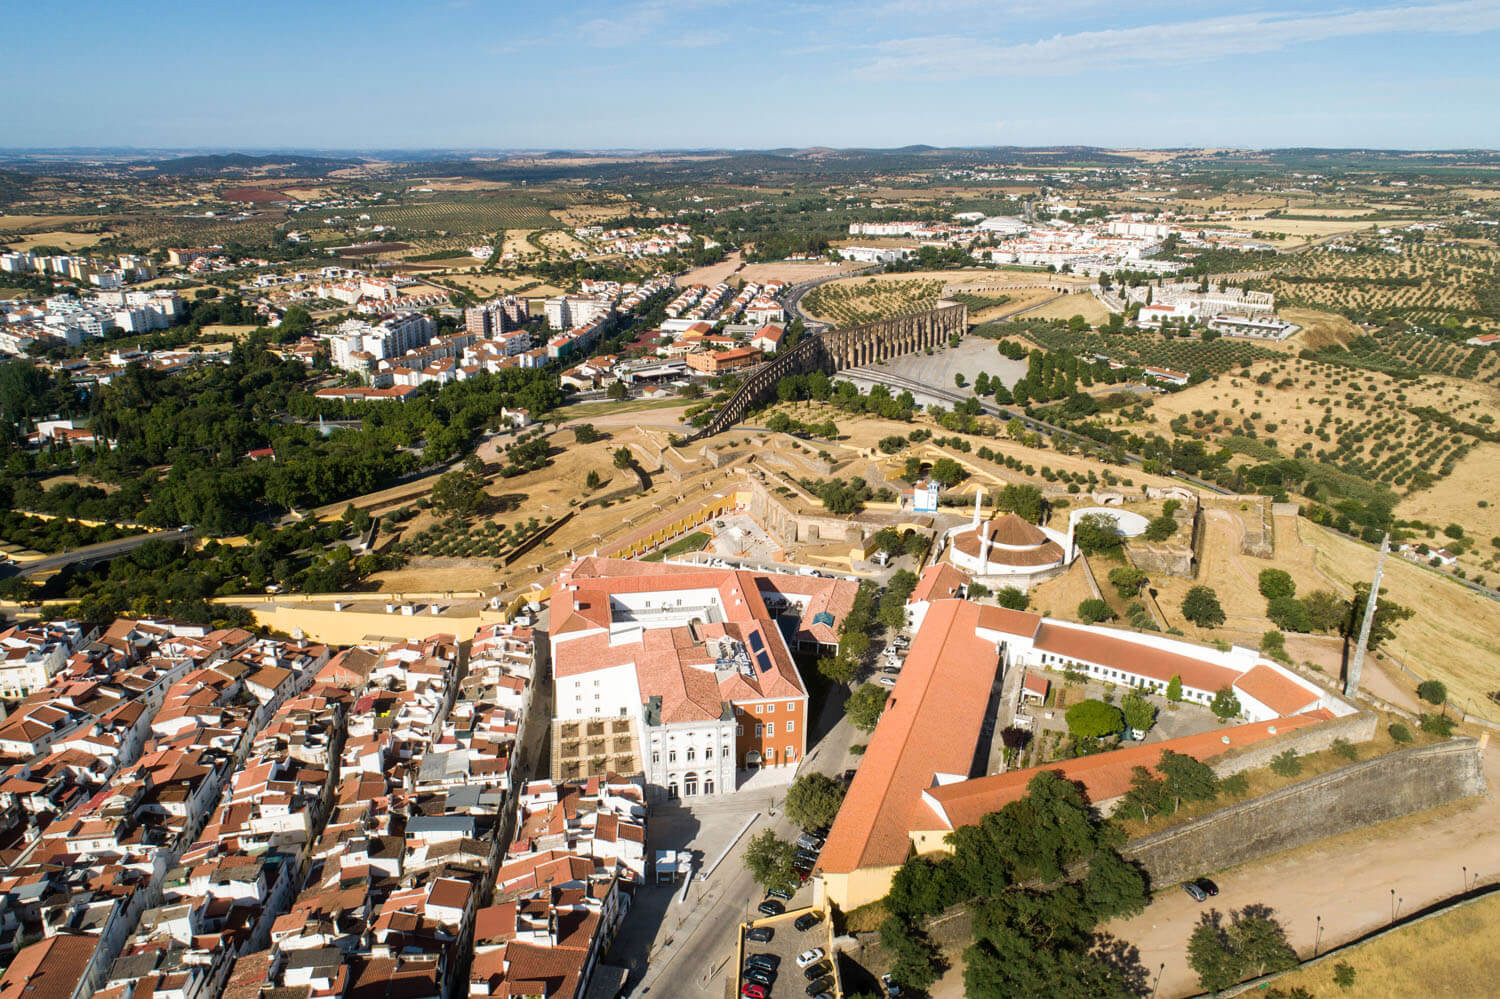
<point x="931" y="725"/>
<point x="1104" y="776"/>
<point x="1277" y="692"/>
<point x="937" y="582"/>
<point x="1095" y="645"/>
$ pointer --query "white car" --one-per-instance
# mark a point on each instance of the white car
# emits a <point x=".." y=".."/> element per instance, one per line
<point x="810" y="957"/>
<point x="886" y="681"/>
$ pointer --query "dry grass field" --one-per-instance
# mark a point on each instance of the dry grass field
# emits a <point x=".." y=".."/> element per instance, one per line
<point x="1319" y="329"/>
<point x="1454" y="634"/>
<point x="487" y="285"/>
<point x="1445" y="955"/>
<point x="1078" y="304"/>
<point x="795" y="271"/>
<point x="1456" y="499"/>
<point x="66" y="240"/>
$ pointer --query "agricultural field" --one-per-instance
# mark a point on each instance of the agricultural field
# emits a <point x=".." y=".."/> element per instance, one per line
<point x="864" y="300"/>
<point x="64" y="240"/>
<point x="1422" y="283"/>
<point x="482" y="213"/>
<point x="1215" y="356"/>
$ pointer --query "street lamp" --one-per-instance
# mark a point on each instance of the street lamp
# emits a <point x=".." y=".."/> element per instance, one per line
<point x="1158" y="979"/>
<point x="1393" y="905"/>
<point x="1319" y="938"/>
<point x="1466" y="878"/>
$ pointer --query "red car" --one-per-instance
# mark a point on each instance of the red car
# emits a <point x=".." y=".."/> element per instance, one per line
<point x="752" y="991"/>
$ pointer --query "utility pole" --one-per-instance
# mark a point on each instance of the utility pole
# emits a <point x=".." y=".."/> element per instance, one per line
<point x="1351" y="682"/>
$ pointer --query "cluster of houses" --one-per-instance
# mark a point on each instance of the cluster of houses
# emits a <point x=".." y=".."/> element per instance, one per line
<point x="105" y="273"/>
<point x="191" y="813"/>
<point x="632" y="242"/>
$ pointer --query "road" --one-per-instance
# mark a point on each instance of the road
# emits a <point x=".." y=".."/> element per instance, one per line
<point x="102" y="552"/>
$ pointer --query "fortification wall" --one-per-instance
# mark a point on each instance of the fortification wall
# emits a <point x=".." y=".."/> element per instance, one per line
<point x="1361" y="794"/>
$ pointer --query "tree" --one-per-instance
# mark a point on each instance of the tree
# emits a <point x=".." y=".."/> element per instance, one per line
<point x="1225" y="704"/>
<point x="585" y="433"/>
<point x="1140" y="713"/>
<point x="1024" y="501"/>
<point x="1235" y="785"/>
<point x="771" y="860"/>
<point x="947" y="471"/>
<point x="865" y="706"/>
<point x="1253" y="944"/>
<point x="1289" y="614"/>
<point x="1388" y="614"/>
<point x="1012" y="597"/>
<point x="1094" y="610"/>
<point x="813" y="800"/>
<point x="459" y="491"/>
<point x="912" y="470"/>
<point x="1127" y="580"/>
<point x="1400" y="734"/>
<point x="1160" y="528"/>
<point x="892" y="444"/>
<point x="1188" y="779"/>
<point x="1433" y="691"/>
<point x="1201" y="606"/>
<point x="916" y="961"/>
<point x="594" y="480"/>
<point x="1273" y="644"/>
<point x="624" y="458"/>
<point x="1097" y="533"/>
<point x="617" y="391"/>
<point x="1174" y="689"/>
<point x="1439" y="725"/>
<point x="1325" y="610"/>
<point x="1276" y="583"/>
<point x="840" y="669"/>
<point x="1093" y="719"/>
<point x="1345" y="750"/>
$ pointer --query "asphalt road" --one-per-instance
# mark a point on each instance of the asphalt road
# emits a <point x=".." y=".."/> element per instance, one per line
<point x="102" y="552"/>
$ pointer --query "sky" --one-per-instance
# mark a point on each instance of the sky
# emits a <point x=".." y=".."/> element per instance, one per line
<point x="687" y="74"/>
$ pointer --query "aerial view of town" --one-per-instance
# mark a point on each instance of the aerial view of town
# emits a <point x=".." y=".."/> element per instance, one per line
<point x="666" y="499"/>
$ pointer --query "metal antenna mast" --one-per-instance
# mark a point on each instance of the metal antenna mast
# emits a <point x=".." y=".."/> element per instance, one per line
<point x="1351" y="683"/>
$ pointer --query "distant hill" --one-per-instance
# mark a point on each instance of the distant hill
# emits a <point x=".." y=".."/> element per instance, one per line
<point x="243" y="165"/>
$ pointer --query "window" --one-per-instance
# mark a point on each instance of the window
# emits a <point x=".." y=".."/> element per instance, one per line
<point x="739" y="730"/>
<point x="770" y="709"/>
<point x="759" y="730"/>
<point x="708" y="785"/>
<point x="692" y="754"/>
<point x="655" y="756"/>
<point x="770" y="728"/>
<point x="791" y="727"/>
<point x="791" y="754"/>
<point x="791" y="705"/>
<point x="758" y="708"/>
<point x="671" y="756"/>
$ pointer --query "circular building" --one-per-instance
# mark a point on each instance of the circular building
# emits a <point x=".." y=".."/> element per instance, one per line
<point x="1009" y="549"/>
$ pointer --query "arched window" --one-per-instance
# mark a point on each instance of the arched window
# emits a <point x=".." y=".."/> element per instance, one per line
<point x="690" y="784"/>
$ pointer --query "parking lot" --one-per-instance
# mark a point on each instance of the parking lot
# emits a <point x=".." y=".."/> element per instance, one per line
<point x="785" y="944"/>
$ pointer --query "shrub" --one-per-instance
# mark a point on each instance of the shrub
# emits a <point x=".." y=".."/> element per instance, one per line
<point x="1012" y="597"/>
<point x="1286" y="764"/>
<point x="1094" y="610"/>
<point x="1092" y="719"/>
<point x="1127" y="580"/>
<point x="1439" y="725"/>
<point x="1236" y="785"/>
<point x="1432" y="691"/>
<point x="1343" y="975"/>
<point x="1399" y="732"/>
<point x="1344" y="750"/>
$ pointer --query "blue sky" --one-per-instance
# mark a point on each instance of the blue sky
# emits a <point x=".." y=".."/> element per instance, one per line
<point x="707" y="73"/>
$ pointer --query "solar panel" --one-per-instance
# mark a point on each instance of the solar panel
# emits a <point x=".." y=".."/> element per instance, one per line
<point x="764" y="659"/>
<point x="755" y="643"/>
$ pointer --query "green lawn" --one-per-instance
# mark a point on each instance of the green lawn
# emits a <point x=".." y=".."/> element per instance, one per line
<point x="692" y="543"/>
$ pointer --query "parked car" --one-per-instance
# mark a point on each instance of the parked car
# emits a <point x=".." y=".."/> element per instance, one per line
<point x="1191" y="887"/>
<point x="785" y="894"/>
<point x="771" y="907"/>
<point x="892" y="670"/>
<point x="817" y="970"/>
<point x="892" y="990"/>
<point x="849" y="776"/>
<point x="885" y="681"/>
<point x="809" y="841"/>
<point x="751" y="990"/>
<point x="823" y="995"/>
<point x="811" y="956"/>
<point x="807" y="921"/>
<point x="821" y="985"/>
<point x="760" y="976"/>
<point x="1209" y="888"/>
<point x="769" y="962"/>
<point x="760" y="934"/>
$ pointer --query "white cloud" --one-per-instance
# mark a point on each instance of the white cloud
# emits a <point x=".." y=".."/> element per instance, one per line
<point x="1184" y="41"/>
<point x="631" y="23"/>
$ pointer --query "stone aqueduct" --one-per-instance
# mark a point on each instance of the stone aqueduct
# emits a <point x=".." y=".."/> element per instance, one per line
<point x="834" y="350"/>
